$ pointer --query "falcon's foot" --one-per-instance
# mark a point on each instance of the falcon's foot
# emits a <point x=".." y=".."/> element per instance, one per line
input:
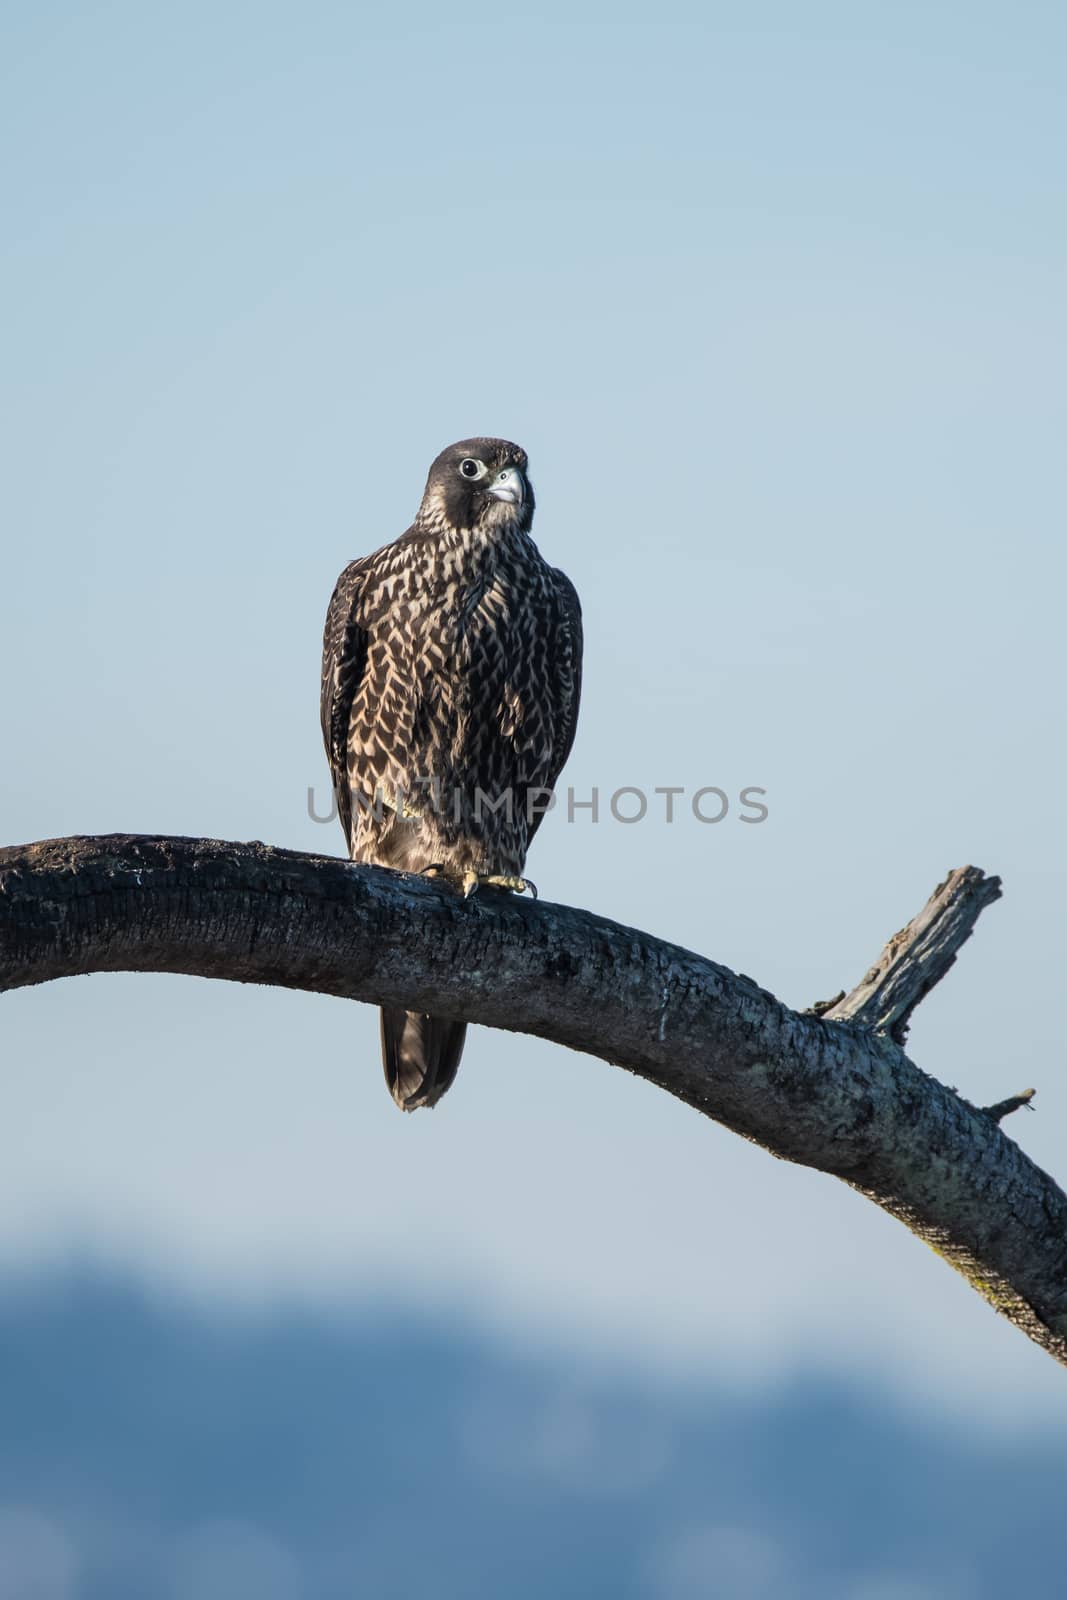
<point x="475" y="880"/>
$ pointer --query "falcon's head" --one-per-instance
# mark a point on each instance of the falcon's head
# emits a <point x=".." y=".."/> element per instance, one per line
<point x="479" y="484"/>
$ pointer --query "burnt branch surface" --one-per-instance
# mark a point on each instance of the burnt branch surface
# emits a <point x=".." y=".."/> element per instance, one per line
<point x="832" y="1091"/>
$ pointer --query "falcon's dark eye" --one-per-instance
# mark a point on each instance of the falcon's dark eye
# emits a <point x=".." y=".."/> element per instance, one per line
<point x="472" y="469"/>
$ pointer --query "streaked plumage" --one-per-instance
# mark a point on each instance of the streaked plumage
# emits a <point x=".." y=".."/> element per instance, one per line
<point x="451" y="669"/>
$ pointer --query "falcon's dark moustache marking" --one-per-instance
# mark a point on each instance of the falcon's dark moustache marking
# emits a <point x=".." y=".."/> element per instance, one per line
<point x="451" y="657"/>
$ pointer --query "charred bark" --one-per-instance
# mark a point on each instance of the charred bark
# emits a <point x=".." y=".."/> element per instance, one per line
<point x="831" y="1088"/>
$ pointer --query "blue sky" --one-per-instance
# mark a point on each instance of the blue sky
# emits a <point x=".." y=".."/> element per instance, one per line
<point x="775" y="302"/>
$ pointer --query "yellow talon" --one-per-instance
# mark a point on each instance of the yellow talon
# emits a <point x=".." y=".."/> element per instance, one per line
<point x="515" y="885"/>
<point x="471" y="881"/>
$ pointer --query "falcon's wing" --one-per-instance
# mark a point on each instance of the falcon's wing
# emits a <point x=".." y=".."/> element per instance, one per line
<point x="344" y="656"/>
<point x="568" y="684"/>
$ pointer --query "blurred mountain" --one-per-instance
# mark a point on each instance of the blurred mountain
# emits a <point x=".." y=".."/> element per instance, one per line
<point x="154" y="1450"/>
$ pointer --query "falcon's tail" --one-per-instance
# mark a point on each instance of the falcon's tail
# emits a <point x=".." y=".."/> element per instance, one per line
<point x="420" y="1055"/>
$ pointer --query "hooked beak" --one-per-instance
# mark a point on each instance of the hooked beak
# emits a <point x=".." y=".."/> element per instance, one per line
<point x="509" y="485"/>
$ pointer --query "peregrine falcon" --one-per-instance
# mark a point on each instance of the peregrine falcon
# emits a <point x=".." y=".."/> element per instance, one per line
<point x="451" y="671"/>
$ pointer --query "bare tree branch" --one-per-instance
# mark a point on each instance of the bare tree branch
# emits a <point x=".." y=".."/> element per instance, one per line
<point x="917" y="957"/>
<point x="1014" y="1102"/>
<point x="828" y="1091"/>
